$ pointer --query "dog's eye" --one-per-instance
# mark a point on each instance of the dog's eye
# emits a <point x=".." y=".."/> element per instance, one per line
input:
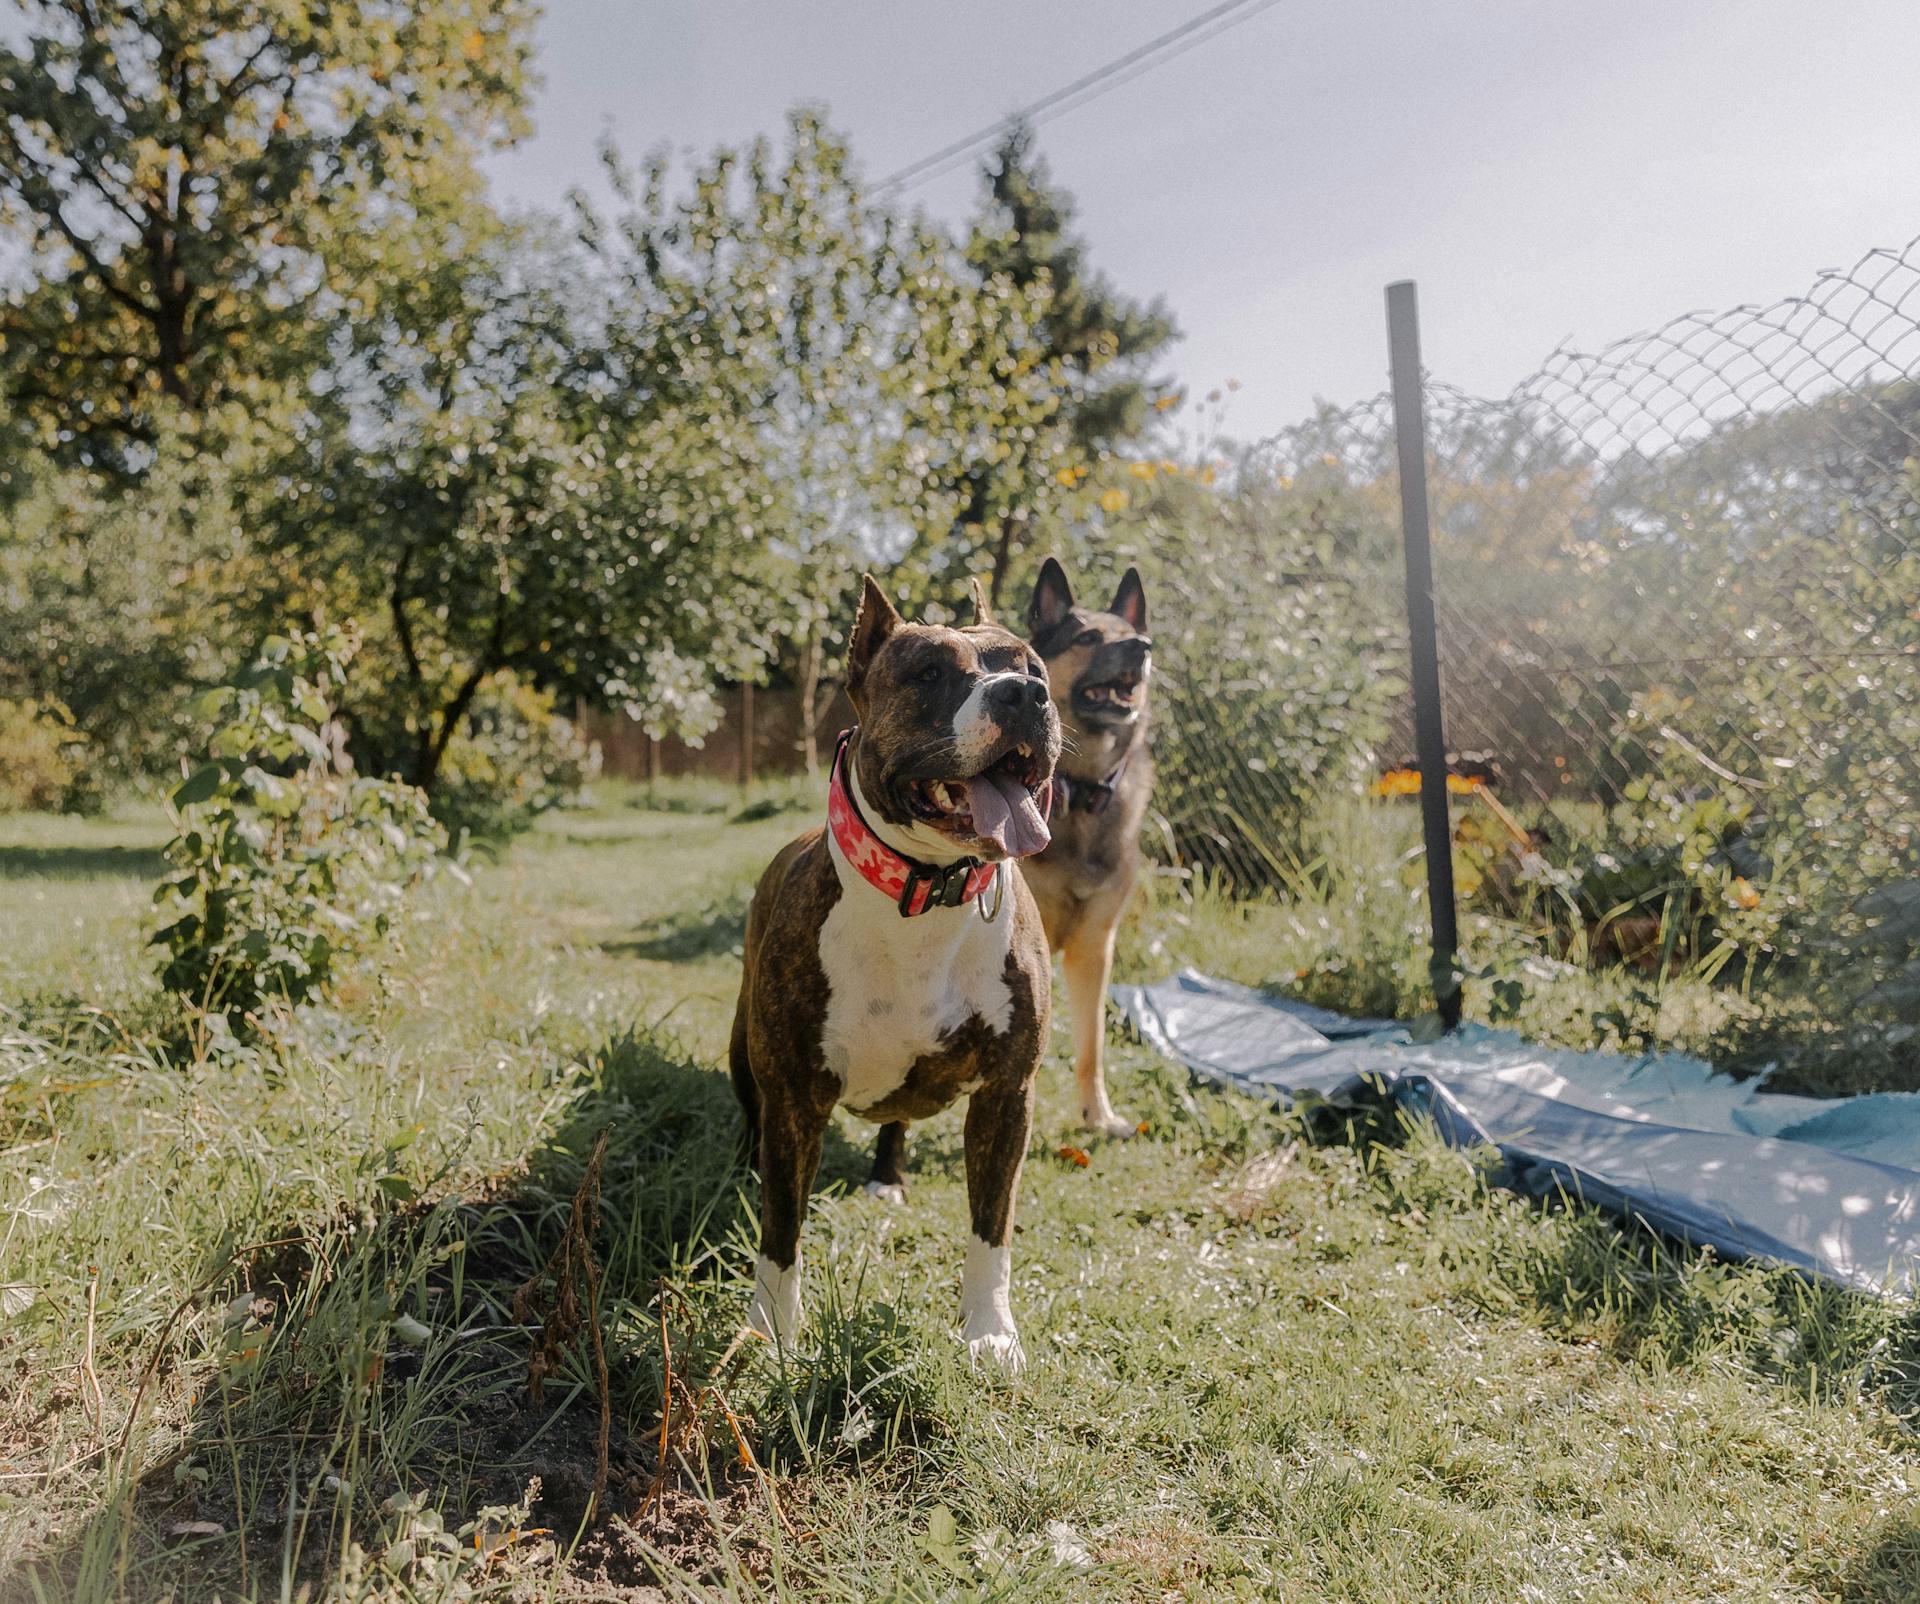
<point x="1036" y="668"/>
<point x="1087" y="637"/>
<point x="930" y="675"/>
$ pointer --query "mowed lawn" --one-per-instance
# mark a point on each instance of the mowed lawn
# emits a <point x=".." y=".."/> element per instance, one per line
<point x="266" y="1315"/>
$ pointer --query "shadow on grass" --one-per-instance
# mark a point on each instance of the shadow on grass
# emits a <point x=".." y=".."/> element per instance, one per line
<point x="695" y="933"/>
<point x="1887" y="1571"/>
<point x="624" y="839"/>
<point x="81" y="863"/>
<point x="363" y="1405"/>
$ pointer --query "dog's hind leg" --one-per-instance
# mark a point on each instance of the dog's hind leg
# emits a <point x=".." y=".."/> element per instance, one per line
<point x="998" y="1125"/>
<point x="888" y="1181"/>
<point x="744" y="1088"/>
<point x="1087" y="962"/>
<point x="790" y="1140"/>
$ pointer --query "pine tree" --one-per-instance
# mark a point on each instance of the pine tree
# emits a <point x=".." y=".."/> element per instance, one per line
<point x="1098" y="343"/>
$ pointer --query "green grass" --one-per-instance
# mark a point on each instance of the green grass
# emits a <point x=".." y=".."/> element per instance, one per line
<point x="1265" y="1364"/>
<point x="71" y="890"/>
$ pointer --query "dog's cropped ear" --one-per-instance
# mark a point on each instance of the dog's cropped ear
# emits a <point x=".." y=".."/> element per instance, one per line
<point x="1052" y="598"/>
<point x="875" y="621"/>
<point x="1130" y="601"/>
<point x="982" y="609"/>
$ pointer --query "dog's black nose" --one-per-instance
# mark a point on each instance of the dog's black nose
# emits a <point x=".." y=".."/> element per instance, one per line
<point x="1015" y="691"/>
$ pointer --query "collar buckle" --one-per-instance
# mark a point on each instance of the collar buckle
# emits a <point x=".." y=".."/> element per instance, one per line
<point x="946" y="885"/>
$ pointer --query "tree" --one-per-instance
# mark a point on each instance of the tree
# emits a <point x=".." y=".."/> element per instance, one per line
<point x="859" y="368"/>
<point x="1095" y="344"/>
<point x="503" y="478"/>
<point x="192" y="179"/>
<point x="806" y="283"/>
<point x="984" y="435"/>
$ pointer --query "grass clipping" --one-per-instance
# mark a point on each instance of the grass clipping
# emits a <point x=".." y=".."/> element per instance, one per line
<point x="564" y="1297"/>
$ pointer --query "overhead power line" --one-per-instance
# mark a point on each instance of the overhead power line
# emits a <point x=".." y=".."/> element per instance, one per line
<point x="1195" y="31"/>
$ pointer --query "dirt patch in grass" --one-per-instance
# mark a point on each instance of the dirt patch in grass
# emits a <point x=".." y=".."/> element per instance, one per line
<point x="684" y="1533"/>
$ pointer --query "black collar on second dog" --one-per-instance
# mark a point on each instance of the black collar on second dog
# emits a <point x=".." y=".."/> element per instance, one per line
<point x="1087" y="796"/>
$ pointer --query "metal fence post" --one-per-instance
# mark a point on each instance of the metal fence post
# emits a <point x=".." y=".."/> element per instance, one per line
<point x="1430" y="740"/>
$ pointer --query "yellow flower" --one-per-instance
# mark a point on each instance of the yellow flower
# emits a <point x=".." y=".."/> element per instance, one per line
<point x="1141" y="470"/>
<point x="1284" y="481"/>
<point x="1113" y="501"/>
<point x="1166" y="403"/>
<point x="1067" y="477"/>
<point x="1406" y="782"/>
<point x="474" y="46"/>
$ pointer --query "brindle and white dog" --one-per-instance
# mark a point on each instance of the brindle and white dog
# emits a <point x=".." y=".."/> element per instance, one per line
<point x="1098" y="665"/>
<point x="895" y="962"/>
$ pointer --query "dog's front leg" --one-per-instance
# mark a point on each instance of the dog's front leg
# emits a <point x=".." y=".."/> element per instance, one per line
<point x="998" y="1123"/>
<point x="1087" y="962"/>
<point x="790" y="1139"/>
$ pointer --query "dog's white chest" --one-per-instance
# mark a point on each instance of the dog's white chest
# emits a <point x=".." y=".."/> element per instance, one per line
<point x="896" y="986"/>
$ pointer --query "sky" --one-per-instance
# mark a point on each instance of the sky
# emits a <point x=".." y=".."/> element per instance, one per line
<point x="1548" y="171"/>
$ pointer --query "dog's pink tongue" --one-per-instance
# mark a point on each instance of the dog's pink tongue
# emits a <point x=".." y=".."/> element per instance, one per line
<point x="1004" y="814"/>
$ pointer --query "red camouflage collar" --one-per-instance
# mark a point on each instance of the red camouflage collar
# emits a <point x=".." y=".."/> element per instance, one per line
<point x="914" y="886"/>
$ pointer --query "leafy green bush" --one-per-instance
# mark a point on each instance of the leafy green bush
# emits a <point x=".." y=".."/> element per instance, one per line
<point x="43" y="759"/>
<point x="1277" y="657"/>
<point x="1659" y="880"/>
<point x="287" y="864"/>
<point x="513" y="758"/>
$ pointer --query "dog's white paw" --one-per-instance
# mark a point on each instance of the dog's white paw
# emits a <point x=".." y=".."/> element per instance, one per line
<point x="775" y="1310"/>
<point x="1104" y="1122"/>
<point x="986" y="1323"/>
<point x="998" y="1349"/>
<point x="888" y="1192"/>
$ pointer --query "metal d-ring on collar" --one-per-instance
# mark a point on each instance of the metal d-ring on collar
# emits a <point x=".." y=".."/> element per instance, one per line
<point x="999" y="895"/>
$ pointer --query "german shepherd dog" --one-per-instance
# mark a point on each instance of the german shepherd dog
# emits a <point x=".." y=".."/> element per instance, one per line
<point x="1097" y="666"/>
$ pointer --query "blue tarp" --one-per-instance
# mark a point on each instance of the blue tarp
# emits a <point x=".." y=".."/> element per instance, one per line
<point x="1830" y="1186"/>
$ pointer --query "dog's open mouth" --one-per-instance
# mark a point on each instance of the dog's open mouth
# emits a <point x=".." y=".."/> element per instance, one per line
<point x="1006" y="803"/>
<point x="1112" y="698"/>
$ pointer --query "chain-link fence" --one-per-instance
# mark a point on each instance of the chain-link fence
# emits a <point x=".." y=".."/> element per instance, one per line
<point x="1677" y="586"/>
